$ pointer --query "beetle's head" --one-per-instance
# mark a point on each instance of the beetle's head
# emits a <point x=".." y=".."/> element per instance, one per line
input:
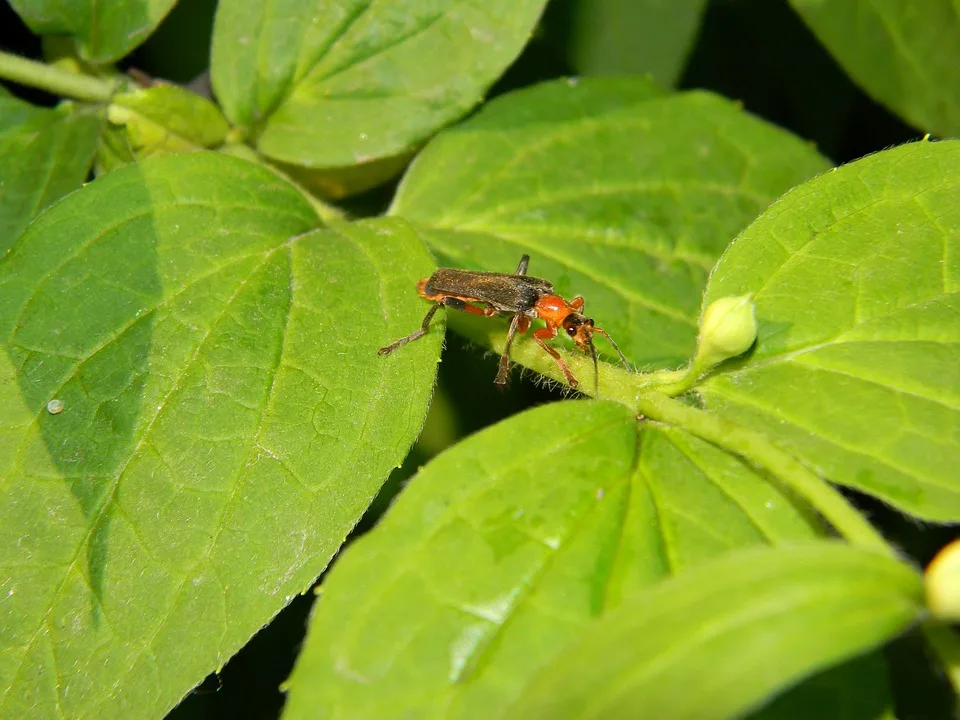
<point x="581" y="329"/>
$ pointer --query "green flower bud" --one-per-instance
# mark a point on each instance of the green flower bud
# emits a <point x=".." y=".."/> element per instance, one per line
<point x="727" y="329"/>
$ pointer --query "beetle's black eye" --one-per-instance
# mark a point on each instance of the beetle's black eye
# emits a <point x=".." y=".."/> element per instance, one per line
<point x="570" y="323"/>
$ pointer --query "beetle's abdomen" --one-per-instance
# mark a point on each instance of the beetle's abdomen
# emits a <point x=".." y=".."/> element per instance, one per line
<point x="506" y="293"/>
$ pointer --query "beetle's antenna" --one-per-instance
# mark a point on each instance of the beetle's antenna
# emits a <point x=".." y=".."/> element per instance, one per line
<point x="610" y="340"/>
<point x="596" y="370"/>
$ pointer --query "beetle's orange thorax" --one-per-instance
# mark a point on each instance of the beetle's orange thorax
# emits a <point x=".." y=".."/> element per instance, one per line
<point x="553" y="310"/>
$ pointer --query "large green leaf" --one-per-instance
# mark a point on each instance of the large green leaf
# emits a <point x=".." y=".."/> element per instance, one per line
<point x="104" y="31"/>
<point x="342" y="82"/>
<point x="618" y="193"/>
<point x="44" y="154"/>
<point x="638" y="37"/>
<point x="505" y="546"/>
<point x="721" y="639"/>
<point x="225" y="422"/>
<point x="856" y="279"/>
<point x="905" y="54"/>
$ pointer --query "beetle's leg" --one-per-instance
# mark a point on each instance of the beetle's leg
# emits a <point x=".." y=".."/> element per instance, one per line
<point x="522" y="267"/>
<point x="452" y="302"/>
<point x="545" y="334"/>
<point x="519" y="324"/>
<point x="424" y="329"/>
<point x="577" y="304"/>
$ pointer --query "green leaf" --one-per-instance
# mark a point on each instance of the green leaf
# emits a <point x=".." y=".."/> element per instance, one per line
<point x="633" y="37"/>
<point x="332" y="84"/>
<point x="225" y="422"/>
<point x="903" y="54"/>
<point x="856" y="371"/>
<point x="44" y="154"/>
<point x="338" y="183"/>
<point x="618" y="193"/>
<point x="722" y="639"/>
<point x="502" y="548"/>
<point x="158" y="120"/>
<point x="104" y="31"/>
<point x="329" y="214"/>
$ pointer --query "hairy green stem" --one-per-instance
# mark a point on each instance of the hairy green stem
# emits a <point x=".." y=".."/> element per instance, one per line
<point x="758" y="450"/>
<point x="673" y="382"/>
<point x="614" y="382"/>
<point x="54" y="80"/>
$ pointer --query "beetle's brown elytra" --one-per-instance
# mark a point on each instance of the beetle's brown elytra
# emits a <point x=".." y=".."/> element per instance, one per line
<point x="519" y="295"/>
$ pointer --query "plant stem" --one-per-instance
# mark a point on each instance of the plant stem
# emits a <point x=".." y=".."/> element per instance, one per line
<point x="54" y="80"/>
<point x="757" y="449"/>
<point x="672" y="382"/>
<point x="615" y="383"/>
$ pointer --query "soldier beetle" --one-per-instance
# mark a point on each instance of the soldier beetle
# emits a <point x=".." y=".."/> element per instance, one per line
<point x="520" y="296"/>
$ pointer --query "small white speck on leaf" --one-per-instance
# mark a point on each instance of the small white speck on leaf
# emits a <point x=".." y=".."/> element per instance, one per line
<point x="480" y="35"/>
<point x="55" y="407"/>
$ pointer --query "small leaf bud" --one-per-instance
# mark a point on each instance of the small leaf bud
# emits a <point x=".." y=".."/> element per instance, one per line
<point x="727" y="329"/>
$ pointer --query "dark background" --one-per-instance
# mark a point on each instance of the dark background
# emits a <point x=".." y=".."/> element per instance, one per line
<point x="755" y="51"/>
